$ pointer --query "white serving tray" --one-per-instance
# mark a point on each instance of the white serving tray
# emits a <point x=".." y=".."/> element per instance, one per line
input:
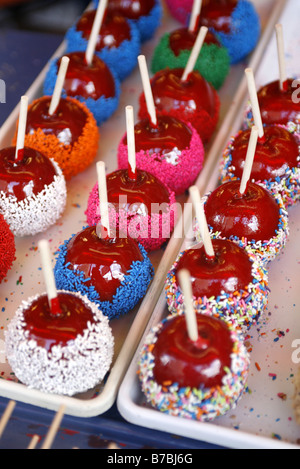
<point x="264" y="418"/>
<point x="26" y="278"/>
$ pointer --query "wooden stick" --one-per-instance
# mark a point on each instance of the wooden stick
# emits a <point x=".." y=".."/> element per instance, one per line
<point x="131" y="142"/>
<point x="21" y="129"/>
<point x="103" y="204"/>
<point x="184" y="278"/>
<point x="254" y="102"/>
<point x="49" y="277"/>
<point x="53" y="428"/>
<point x="197" y="5"/>
<point x="33" y="442"/>
<point x="200" y="215"/>
<point x="281" y="57"/>
<point x="95" y="31"/>
<point x="147" y="89"/>
<point x="6" y="416"/>
<point x="249" y="158"/>
<point x="195" y="53"/>
<point x="59" y="85"/>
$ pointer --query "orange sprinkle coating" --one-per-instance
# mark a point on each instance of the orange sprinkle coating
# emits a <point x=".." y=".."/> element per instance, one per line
<point x="72" y="159"/>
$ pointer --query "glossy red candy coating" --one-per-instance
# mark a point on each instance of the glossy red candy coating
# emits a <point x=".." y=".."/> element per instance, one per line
<point x="228" y="271"/>
<point x="66" y="123"/>
<point x="192" y="364"/>
<point x="145" y="190"/>
<point x="253" y="215"/>
<point x="114" y="29"/>
<point x="103" y="261"/>
<point x="26" y="177"/>
<point x="184" y="39"/>
<point x="274" y="155"/>
<point x="132" y="9"/>
<point x="171" y="93"/>
<point x="170" y="133"/>
<point x="48" y="329"/>
<point x="216" y="14"/>
<point x="276" y="106"/>
<point x="88" y="81"/>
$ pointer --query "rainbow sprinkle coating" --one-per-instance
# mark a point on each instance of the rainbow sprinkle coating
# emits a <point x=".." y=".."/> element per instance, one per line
<point x="191" y="403"/>
<point x="122" y="59"/>
<point x="288" y="186"/>
<point x="133" y="287"/>
<point x="244" y="308"/>
<point x="102" y="108"/>
<point x="150" y="230"/>
<point x="70" y="369"/>
<point x="177" y="171"/>
<point x="267" y="250"/>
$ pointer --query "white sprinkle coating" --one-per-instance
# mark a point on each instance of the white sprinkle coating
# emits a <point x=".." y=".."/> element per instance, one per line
<point x="70" y="369"/>
<point x="36" y="213"/>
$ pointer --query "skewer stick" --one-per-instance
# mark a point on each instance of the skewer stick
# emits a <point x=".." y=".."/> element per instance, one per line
<point x="190" y="315"/>
<point x="21" y="129"/>
<point x="90" y="50"/>
<point x="131" y="142"/>
<point x="147" y="89"/>
<point x="103" y="200"/>
<point x="195" y="53"/>
<point x="54" y="428"/>
<point x="197" y="5"/>
<point x="59" y="84"/>
<point x="249" y="158"/>
<point x="49" y="277"/>
<point x="6" y="416"/>
<point x="281" y="57"/>
<point x="254" y="102"/>
<point x="201" y="217"/>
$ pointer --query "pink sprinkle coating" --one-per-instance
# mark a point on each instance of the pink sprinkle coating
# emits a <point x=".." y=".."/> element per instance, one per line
<point x="150" y="230"/>
<point x="178" y="171"/>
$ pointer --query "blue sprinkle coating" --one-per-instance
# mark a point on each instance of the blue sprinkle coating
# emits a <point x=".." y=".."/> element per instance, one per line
<point x="147" y="25"/>
<point x="133" y="287"/>
<point x="102" y="108"/>
<point x="244" y="34"/>
<point x="122" y="59"/>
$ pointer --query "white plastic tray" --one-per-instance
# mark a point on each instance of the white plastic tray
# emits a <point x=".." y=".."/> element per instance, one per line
<point x="26" y="279"/>
<point x="264" y="418"/>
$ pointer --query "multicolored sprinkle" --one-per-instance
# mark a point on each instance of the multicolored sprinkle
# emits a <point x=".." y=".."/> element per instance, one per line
<point x="242" y="307"/>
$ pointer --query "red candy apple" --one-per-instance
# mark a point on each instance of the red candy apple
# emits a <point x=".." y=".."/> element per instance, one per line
<point x="193" y="100"/>
<point x="253" y="215"/>
<point x="26" y="177"/>
<point x="229" y="270"/>
<point x="199" y="364"/>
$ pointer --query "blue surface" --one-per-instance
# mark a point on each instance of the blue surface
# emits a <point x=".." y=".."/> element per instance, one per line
<point x="86" y="433"/>
<point x="23" y="54"/>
